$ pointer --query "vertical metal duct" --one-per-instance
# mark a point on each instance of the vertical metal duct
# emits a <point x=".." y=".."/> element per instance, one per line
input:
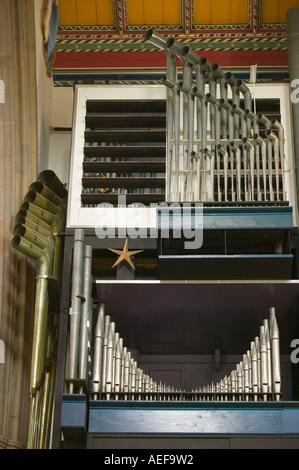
<point x="157" y="40"/>
<point x="293" y="53"/>
<point x="75" y="319"/>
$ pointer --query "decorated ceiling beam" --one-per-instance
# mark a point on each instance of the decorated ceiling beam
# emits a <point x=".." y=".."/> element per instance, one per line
<point x="110" y="33"/>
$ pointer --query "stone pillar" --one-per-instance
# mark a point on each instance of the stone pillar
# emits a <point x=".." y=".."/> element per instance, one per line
<point x="18" y="169"/>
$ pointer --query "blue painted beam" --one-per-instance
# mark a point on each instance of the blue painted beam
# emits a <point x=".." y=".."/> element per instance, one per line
<point x="194" y="418"/>
<point x="225" y="218"/>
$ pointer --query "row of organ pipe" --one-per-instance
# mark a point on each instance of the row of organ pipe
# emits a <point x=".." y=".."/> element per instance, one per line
<point x="226" y="151"/>
<point x="116" y="375"/>
<point x="257" y="376"/>
<point x="99" y="359"/>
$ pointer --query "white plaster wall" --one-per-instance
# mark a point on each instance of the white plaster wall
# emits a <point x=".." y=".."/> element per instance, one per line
<point x="60" y="142"/>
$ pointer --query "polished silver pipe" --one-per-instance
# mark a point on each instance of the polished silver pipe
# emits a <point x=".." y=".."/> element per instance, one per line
<point x="194" y="59"/>
<point x="248" y="354"/>
<point x="207" y="67"/>
<point x="86" y="312"/>
<point x="217" y="135"/>
<point x="258" y="352"/>
<point x="177" y="127"/>
<point x="107" y="322"/>
<point x="98" y="350"/>
<point x="176" y="47"/>
<point x="109" y="361"/>
<point x="254" y="370"/>
<point x="179" y="51"/>
<point x="133" y="371"/>
<point x="147" y="386"/>
<point x="182" y="87"/>
<point x="225" y="384"/>
<point x="264" y="366"/>
<point x="171" y="73"/>
<point x="272" y="314"/>
<point x="76" y="300"/>
<point x="267" y="123"/>
<point x="264" y="120"/>
<point x="127" y="366"/>
<point x="240" y="383"/>
<point x="241" y="113"/>
<point x="232" y="82"/>
<point x="261" y="142"/>
<point x="118" y="366"/>
<point x="275" y="358"/>
<point x="219" y="75"/>
<point x="275" y="142"/>
<point x="243" y="88"/>
<point x="187" y="81"/>
<point x="269" y="358"/>
<point x="237" y="152"/>
<point x="233" y="384"/>
<point x="139" y="382"/>
<point x="123" y="356"/>
<point x="246" y="376"/>
<point x="277" y="125"/>
<point x="250" y="148"/>
<point x="255" y="128"/>
<point x="154" y="38"/>
<point x="202" y="122"/>
<point x="224" y="153"/>
<point x="208" y="153"/>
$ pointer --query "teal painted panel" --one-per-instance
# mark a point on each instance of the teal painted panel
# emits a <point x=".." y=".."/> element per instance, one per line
<point x="190" y="421"/>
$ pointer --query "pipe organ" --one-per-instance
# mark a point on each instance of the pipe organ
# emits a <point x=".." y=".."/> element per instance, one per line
<point x="116" y="375"/>
<point x="100" y="360"/>
<point x="225" y="151"/>
<point x="218" y="150"/>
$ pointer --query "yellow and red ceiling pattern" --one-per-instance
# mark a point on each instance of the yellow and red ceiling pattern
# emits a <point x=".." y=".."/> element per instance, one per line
<point x="169" y="12"/>
<point x="110" y="33"/>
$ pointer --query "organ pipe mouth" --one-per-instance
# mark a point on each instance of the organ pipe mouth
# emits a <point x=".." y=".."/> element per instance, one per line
<point x="15" y="243"/>
<point x="217" y="72"/>
<point x="46" y="192"/>
<point x="51" y="180"/>
<point x="176" y="47"/>
<point x="149" y="34"/>
<point x="27" y="248"/>
<point x="32" y="197"/>
<point x="229" y="77"/>
<point x="169" y="42"/>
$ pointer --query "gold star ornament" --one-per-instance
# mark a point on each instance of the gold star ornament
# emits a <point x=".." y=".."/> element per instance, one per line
<point x="125" y="255"/>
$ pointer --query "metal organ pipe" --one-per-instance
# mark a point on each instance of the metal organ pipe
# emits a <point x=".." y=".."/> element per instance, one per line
<point x="219" y="75"/>
<point x="37" y="224"/>
<point x="277" y="125"/>
<point x="256" y="376"/>
<point x="232" y="82"/>
<point x="211" y="122"/>
<point x="176" y="102"/>
<point x="171" y="73"/>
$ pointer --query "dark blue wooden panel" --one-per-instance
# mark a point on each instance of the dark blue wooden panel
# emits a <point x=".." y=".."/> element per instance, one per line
<point x="227" y="420"/>
<point x="74" y="411"/>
